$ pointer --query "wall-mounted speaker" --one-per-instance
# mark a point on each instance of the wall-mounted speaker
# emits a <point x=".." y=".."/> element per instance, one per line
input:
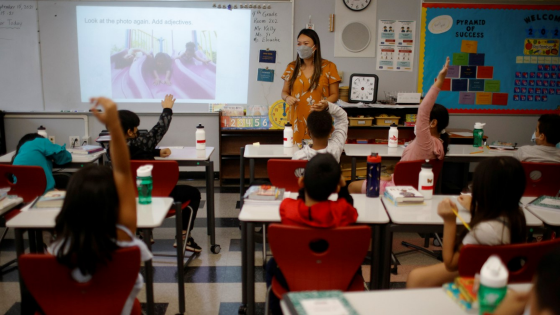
<point x="355" y="37"/>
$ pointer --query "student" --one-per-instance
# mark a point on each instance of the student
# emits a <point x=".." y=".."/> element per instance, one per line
<point x="99" y="212"/>
<point x="322" y="178"/>
<point x="431" y="139"/>
<point x="162" y="66"/>
<point x="143" y="147"/>
<point x="34" y="150"/>
<point x="546" y="136"/>
<point x="190" y="54"/>
<point x="496" y="218"/>
<point x="326" y="138"/>
<point x="544" y="296"/>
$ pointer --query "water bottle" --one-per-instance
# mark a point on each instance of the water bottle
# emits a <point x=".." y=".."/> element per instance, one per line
<point x="393" y="136"/>
<point x="478" y="134"/>
<point x="373" y="180"/>
<point x="288" y="136"/>
<point x="42" y="131"/>
<point x="200" y="137"/>
<point x="144" y="183"/>
<point x="426" y="180"/>
<point x="493" y="285"/>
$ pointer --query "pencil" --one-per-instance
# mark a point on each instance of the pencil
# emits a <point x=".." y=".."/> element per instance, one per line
<point x="477" y="152"/>
<point x="458" y="216"/>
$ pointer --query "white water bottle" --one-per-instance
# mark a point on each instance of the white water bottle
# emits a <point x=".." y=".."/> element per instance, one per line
<point x="288" y="136"/>
<point x="200" y="137"/>
<point x="493" y="285"/>
<point x="426" y="180"/>
<point x="393" y="136"/>
<point x="42" y="131"/>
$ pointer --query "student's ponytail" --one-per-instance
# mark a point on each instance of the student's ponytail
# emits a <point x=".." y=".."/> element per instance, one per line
<point x="439" y="113"/>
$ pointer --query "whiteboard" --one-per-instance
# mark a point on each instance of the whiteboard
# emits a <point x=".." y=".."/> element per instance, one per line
<point x="59" y="52"/>
<point x="20" y="82"/>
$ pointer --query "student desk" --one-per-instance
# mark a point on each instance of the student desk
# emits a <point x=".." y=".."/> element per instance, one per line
<point x="550" y="218"/>
<point x="432" y="301"/>
<point x="190" y="156"/>
<point x="421" y="219"/>
<point x="148" y="217"/>
<point x="78" y="160"/>
<point x="370" y="212"/>
<point x="457" y="153"/>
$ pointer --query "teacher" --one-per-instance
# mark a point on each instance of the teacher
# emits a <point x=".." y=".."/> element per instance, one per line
<point x="308" y="80"/>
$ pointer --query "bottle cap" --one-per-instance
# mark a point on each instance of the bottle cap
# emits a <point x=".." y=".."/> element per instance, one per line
<point x="144" y="170"/>
<point x="427" y="164"/>
<point x="479" y="125"/>
<point x="199" y="126"/>
<point x="494" y="273"/>
<point x="41" y="128"/>
<point x="287" y="124"/>
<point x="393" y="125"/>
<point x="374" y="158"/>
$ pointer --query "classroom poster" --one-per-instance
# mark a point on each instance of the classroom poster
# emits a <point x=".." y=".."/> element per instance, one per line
<point x="395" y="45"/>
<point x="504" y="58"/>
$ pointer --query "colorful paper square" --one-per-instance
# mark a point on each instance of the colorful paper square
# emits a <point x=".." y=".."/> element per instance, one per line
<point x="546" y="67"/>
<point x="553" y="75"/>
<point x="524" y="82"/>
<point x="537" y="98"/>
<point x="517" y="82"/>
<point x="538" y="91"/>
<point x="553" y="67"/>
<point x="539" y="75"/>
<point x="518" y="74"/>
<point x="523" y="97"/>
<point x="484" y="98"/>
<point x="460" y="59"/>
<point x="453" y="72"/>
<point x="532" y="75"/>
<point x="468" y="72"/>
<point x="500" y="98"/>
<point x="540" y="67"/>
<point x="476" y="85"/>
<point x="469" y="46"/>
<point x="515" y="89"/>
<point x="523" y="90"/>
<point x="530" y="98"/>
<point x="539" y="82"/>
<point x="494" y="85"/>
<point x="531" y="90"/>
<point x="516" y="97"/>
<point x="485" y="72"/>
<point x="552" y="83"/>
<point x="459" y="85"/>
<point x="557" y="91"/>
<point x="531" y="82"/>
<point x="545" y="83"/>
<point x="476" y="59"/>
<point x="544" y="98"/>
<point x="467" y="98"/>
<point x="544" y="91"/>
<point x="551" y="91"/>
<point x="525" y="75"/>
<point x="547" y="75"/>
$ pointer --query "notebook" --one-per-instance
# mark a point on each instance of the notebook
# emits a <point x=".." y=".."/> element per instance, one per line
<point x="49" y="201"/>
<point x="545" y="203"/>
<point x="318" y="303"/>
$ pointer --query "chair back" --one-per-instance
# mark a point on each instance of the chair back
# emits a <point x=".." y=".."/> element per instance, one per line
<point x="319" y="259"/>
<point x="407" y="172"/>
<point x="526" y="256"/>
<point x="541" y="179"/>
<point x="30" y="181"/>
<point x="165" y="175"/>
<point x="285" y="173"/>
<point x="56" y="292"/>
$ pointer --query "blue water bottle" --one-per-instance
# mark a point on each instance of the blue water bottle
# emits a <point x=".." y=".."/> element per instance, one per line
<point x="373" y="179"/>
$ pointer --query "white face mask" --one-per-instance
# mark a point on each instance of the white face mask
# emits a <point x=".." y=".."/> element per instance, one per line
<point x="304" y="51"/>
<point x="533" y="138"/>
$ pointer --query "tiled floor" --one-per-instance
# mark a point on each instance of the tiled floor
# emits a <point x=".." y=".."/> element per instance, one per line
<point x="213" y="281"/>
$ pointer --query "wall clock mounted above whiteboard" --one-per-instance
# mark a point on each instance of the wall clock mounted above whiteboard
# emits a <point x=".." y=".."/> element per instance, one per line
<point x="356" y="5"/>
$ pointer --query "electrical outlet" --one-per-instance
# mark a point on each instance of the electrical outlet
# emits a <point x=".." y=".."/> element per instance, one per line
<point x="74" y="141"/>
<point x="85" y="141"/>
<point x="52" y="139"/>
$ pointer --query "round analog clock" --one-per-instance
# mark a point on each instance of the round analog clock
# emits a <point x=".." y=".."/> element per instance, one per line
<point x="363" y="88"/>
<point x="279" y="114"/>
<point x="356" y="5"/>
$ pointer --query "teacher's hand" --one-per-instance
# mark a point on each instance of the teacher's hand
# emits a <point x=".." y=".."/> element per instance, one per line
<point x="318" y="107"/>
<point x="290" y="100"/>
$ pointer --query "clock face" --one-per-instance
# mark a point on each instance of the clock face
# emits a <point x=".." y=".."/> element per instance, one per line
<point x="356" y="5"/>
<point x="279" y="114"/>
<point x="363" y="89"/>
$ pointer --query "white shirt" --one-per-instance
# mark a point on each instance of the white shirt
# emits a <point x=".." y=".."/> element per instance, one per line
<point x="494" y="232"/>
<point x="538" y="154"/>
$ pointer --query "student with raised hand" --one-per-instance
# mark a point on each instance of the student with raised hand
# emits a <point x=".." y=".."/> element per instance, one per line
<point x="143" y="147"/>
<point x="496" y="218"/>
<point x="35" y="150"/>
<point x="99" y="212"/>
<point x="546" y="137"/>
<point x="431" y="139"/>
<point x="326" y="137"/>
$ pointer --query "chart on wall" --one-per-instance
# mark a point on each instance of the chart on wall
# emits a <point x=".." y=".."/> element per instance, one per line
<point x="504" y="58"/>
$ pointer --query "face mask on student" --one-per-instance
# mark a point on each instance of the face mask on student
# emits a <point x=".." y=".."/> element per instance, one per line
<point x="305" y="52"/>
<point x="533" y="138"/>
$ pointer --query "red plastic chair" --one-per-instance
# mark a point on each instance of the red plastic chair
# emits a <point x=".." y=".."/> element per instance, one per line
<point x="56" y="292"/>
<point x="285" y="173"/>
<point x="541" y="179"/>
<point x="472" y="258"/>
<point x="406" y="173"/>
<point x="31" y="181"/>
<point x="304" y="269"/>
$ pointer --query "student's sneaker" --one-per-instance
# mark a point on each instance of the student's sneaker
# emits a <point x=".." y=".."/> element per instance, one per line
<point x="192" y="246"/>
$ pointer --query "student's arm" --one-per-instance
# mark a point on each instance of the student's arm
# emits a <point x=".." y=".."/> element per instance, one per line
<point x="120" y="158"/>
<point x="450" y="256"/>
<point x="56" y="152"/>
<point x="148" y="142"/>
<point x="168" y="77"/>
<point x="340" y="124"/>
<point x="156" y="78"/>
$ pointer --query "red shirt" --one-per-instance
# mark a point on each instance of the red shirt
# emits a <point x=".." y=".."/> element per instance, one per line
<point x="325" y="214"/>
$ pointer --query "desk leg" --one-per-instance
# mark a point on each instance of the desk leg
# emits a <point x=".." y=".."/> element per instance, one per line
<point x="210" y="213"/>
<point x="241" y="177"/>
<point x="39" y="241"/>
<point x="374" y="280"/>
<point x="251" y="170"/>
<point x="149" y="271"/>
<point x="180" y="258"/>
<point x="32" y="241"/>
<point x="353" y="171"/>
<point x="385" y="275"/>
<point x="28" y="303"/>
<point x="250" y="268"/>
<point x="244" y="267"/>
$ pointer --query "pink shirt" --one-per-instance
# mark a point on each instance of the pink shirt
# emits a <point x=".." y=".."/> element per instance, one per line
<point x="425" y="146"/>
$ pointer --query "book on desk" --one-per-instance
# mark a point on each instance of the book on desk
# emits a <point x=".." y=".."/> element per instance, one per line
<point x="318" y="303"/>
<point x="85" y="150"/>
<point x="545" y="203"/>
<point x="49" y="201"/>
<point x="403" y="195"/>
<point x="264" y="193"/>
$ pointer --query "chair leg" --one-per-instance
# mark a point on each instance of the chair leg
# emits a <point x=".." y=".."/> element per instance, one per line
<point x="4" y="234"/>
<point x="395" y="262"/>
<point x="9" y="263"/>
<point x="264" y="245"/>
<point x="188" y="229"/>
<point x="267" y="301"/>
<point x="438" y="238"/>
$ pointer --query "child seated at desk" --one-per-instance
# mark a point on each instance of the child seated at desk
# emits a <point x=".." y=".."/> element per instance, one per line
<point x="34" y="150"/>
<point x="496" y="218"/>
<point x="546" y="136"/>
<point x="322" y="177"/>
<point x="431" y="139"/>
<point x="326" y="137"/>
<point x="143" y="147"/>
<point x="99" y="212"/>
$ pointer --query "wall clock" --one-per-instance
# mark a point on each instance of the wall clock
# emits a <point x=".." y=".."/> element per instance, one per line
<point x="356" y="5"/>
<point x="363" y="88"/>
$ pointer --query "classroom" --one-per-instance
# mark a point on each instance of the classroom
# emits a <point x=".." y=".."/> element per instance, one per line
<point x="163" y="157"/>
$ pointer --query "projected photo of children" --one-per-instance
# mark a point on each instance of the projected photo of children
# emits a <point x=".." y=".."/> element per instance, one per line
<point x="148" y="64"/>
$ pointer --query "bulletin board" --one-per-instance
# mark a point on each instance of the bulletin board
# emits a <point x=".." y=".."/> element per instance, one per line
<point x="504" y="58"/>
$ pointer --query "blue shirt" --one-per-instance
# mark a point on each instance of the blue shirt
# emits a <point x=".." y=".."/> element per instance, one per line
<point x="41" y="152"/>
